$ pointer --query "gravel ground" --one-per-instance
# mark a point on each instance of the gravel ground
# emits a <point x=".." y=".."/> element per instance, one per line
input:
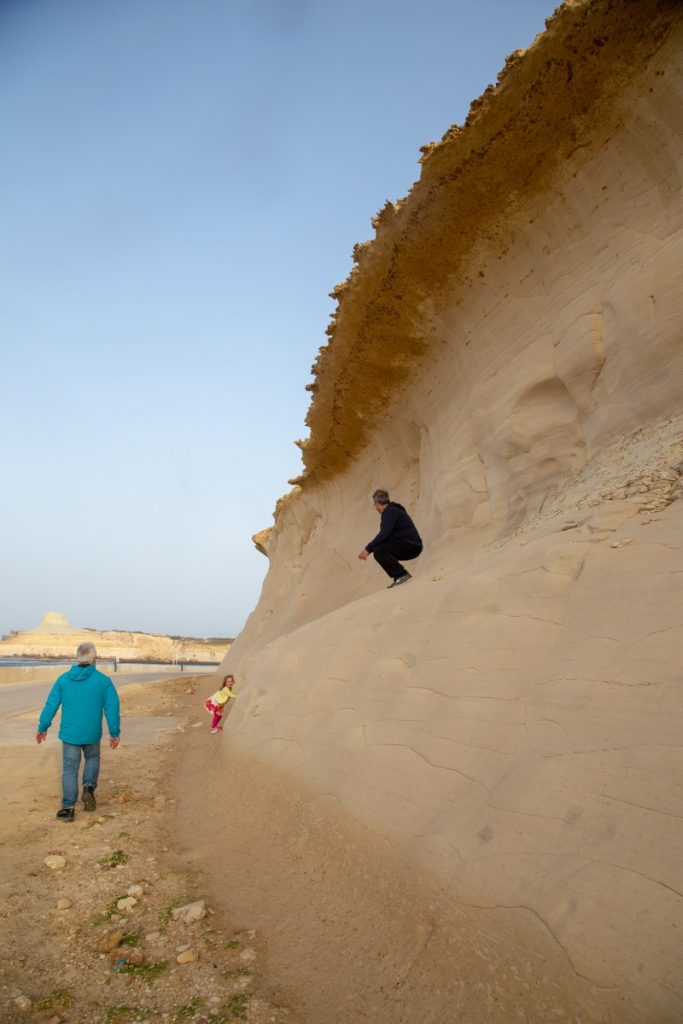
<point x="96" y="928"/>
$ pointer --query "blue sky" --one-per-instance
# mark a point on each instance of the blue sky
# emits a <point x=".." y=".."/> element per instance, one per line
<point x="182" y="183"/>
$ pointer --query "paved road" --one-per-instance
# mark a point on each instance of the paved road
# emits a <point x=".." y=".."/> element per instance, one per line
<point x="18" y="700"/>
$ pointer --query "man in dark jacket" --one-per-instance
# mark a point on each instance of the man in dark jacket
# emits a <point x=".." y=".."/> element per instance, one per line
<point x="397" y="538"/>
<point x="84" y="695"/>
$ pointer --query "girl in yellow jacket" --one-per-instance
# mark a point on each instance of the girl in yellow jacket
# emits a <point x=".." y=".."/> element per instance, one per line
<point x="216" y="703"/>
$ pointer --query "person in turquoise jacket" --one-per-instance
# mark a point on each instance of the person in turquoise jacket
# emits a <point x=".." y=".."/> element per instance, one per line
<point x="84" y="695"/>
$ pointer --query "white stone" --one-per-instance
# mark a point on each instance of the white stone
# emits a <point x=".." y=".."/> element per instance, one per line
<point x="55" y="862"/>
<point x="23" y="1003"/>
<point x="189" y="913"/>
<point x="248" y="955"/>
<point x="135" y="890"/>
<point x="126" y="904"/>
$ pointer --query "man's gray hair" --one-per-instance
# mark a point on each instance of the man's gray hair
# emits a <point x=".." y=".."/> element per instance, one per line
<point x="381" y="497"/>
<point x="86" y="653"/>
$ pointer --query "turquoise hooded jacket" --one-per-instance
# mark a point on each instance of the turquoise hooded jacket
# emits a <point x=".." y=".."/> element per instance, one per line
<point x="84" y="695"/>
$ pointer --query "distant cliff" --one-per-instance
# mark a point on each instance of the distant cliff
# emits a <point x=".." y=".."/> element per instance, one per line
<point x="55" y="637"/>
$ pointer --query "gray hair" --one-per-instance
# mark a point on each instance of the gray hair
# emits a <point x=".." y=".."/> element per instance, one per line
<point x="381" y="497"/>
<point x="86" y="653"/>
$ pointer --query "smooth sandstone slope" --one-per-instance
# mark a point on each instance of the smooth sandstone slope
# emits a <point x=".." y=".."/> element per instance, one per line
<point x="492" y="752"/>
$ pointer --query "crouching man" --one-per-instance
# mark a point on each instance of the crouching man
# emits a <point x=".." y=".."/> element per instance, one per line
<point x="397" y="538"/>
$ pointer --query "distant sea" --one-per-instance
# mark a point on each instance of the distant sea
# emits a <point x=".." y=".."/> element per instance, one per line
<point x="33" y="662"/>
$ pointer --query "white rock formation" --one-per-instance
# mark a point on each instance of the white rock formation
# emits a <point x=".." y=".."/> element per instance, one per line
<point x="55" y="637"/>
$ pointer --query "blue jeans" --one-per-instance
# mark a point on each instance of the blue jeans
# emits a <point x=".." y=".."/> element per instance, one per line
<point x="71" y="760"/>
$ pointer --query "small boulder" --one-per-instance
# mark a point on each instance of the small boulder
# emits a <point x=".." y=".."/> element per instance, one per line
<point x="63" y="903"/>
<point x="23" y="1003"/>
<point x="55" y="861"/>
<point x="131" y="955"/>
<point x="190" y="913"/>
<point x="248" y="955"/>
<point x="110" y="940"/>
<point x="126" y="904"/>
<point x="135" y="890"/>
<point x="188" y="956"/>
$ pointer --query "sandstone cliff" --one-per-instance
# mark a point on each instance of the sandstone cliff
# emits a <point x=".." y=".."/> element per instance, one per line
<point x="493" y="751"/>
<point x="55" y="637"/>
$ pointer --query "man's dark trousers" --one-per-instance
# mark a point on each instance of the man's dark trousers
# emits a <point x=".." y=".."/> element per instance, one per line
<point x="387" y="555"/>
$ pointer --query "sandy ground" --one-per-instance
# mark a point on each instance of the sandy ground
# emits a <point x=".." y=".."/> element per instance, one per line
<point x="68" y="953"/>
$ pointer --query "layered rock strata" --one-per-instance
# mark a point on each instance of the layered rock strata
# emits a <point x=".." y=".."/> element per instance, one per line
<point x="55" y="637"/>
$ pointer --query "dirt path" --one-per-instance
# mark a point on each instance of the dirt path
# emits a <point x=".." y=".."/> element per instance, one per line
<point x="70" y="952"/>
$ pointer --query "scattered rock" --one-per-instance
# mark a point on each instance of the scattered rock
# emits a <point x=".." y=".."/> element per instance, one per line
<point x="130" y="955"/>
<point x="23" y="1003"/>
<point x="135" y="890"/>
<point x="126" y="904"/>
<point x="152" y="936"/>
<point x="569" y="526"/>
<point x="181" y="949"/>
<point x="190" y="913"/>
<point x="248" y="955"/>
<point x="63" y="903"/>
<point x="189" y="956"/>
<point x="55" y="862"/>
<point x="622" y="543"/>
<point x="110" y="940"/>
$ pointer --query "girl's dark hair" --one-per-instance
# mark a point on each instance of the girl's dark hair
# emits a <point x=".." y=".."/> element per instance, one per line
<point x="229" y="676"/>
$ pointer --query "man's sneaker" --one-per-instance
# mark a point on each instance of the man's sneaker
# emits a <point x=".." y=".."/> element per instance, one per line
<point x="89" y="802"/>
<point x="66" y="814"/>
<point x="399" y="580"/>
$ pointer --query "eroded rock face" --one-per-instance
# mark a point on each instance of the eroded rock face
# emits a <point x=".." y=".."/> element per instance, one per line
<point x="510" y="721"/>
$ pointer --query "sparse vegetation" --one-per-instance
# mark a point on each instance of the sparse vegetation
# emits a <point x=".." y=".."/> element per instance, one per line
<point x="131" y="939"/>
<point x="235" y="1009"/>
<point x="146" y="972"/>
<point x="115" y="1014"/>
<point x="115" y="858"/>
<point x="189" y="1011"/>
<point x="166" y="913"/>
<point x="58" y="1000"/>
<point x="106" y="915"/>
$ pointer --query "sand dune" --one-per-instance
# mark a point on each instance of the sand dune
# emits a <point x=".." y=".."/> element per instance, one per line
<point x="461" y="799"/>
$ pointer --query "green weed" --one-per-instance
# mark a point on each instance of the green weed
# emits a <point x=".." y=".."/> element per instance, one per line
<point x="60" y="999"/>
<point x="115" y="858"/>
<point x="133" y="1013"/>
<point x="235" y="1008"/>
<point x="131" y="939"/>
<point x="189" y="1011"/>
<point x="166" y="913"/>
<point x="106" y="916"/>
<point x="147" y="972"/>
